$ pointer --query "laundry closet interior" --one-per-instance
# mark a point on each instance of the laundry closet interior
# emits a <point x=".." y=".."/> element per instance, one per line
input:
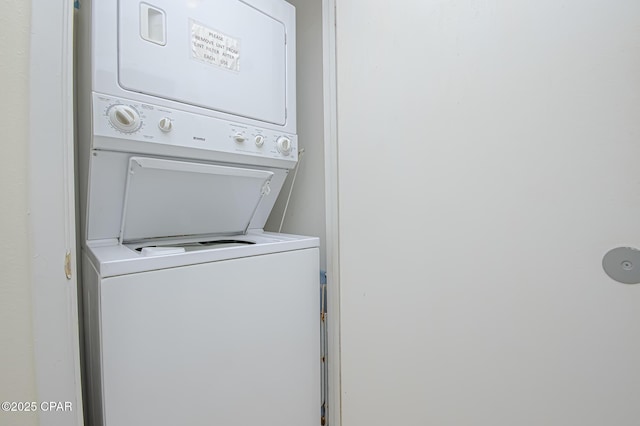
<point x="466" y="182"/>
<point x="196" y="191"/>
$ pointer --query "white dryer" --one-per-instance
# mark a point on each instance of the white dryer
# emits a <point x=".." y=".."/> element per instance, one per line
<point x="186" y="133"/>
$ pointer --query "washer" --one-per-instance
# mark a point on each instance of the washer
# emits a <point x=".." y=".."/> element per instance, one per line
<point x="210" y="336"/>
<point x="186" y="133"/>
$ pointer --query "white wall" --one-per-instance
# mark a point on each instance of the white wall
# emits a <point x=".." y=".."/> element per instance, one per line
<point x="488" y="159"/>
<point x="305" y="214"/>
<point x="17" y="368"/>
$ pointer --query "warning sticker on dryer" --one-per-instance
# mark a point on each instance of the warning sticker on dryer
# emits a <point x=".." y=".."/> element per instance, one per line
<point x="215" y="48"/>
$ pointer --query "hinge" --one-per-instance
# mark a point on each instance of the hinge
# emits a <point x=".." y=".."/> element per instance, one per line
<point x="67" y="265"/>
<point x="266" y="188"/>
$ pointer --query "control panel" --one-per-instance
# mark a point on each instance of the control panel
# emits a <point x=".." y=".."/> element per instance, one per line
<point x="127" y="120"/>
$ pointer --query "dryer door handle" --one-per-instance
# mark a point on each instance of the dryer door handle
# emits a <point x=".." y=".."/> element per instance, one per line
<point x="153" y="26"/>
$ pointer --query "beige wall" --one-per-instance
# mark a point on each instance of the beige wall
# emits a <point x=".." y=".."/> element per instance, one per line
<point x="306" y="209"/>
<point x="17" y="378"/>
<point x="488" y="159"/>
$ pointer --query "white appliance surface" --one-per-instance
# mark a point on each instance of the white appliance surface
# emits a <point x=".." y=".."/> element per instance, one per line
<point x="229" y="59"/>
<point x="223" y="55"/>
<point x="229" y="342"/>
<point x="187" y="135"/>
<point x="167" y="198"/>
<point x="110" y="258"/>
<point x="173" y="202"/>
<point x="171" y="207"/>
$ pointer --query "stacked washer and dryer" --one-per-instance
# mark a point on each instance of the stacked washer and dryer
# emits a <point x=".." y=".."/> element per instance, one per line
<point x="193" y="315"/>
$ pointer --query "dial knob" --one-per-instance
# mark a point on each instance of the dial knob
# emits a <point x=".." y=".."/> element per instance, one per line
<point x="239" y="137"/>
<point x="259" y="140"/>
<point x="284" y="145"/>
<point x="165" y="124"/>
<point x="124" y="118"/>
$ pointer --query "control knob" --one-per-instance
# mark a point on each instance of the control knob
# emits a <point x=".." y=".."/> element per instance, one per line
<point x="124" y="118"/>
<point x="283" y="144"/>
<point x="165" y="125"/>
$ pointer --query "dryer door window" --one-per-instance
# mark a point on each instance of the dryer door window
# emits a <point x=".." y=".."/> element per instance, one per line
<point x="222" y="55"/>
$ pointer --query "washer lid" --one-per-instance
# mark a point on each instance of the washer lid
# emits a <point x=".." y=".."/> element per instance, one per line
<point x="223" y="55"/>
<point x="165" y="198"/>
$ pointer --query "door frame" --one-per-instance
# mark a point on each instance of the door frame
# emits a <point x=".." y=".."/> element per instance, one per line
<point x="331" y="209"/>
<point x="52" y="224"/>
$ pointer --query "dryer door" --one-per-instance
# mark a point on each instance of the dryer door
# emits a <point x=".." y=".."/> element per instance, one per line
<point x="166" y="198"/>
<point x="222" y="55"/>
